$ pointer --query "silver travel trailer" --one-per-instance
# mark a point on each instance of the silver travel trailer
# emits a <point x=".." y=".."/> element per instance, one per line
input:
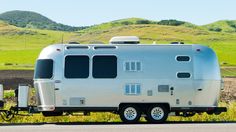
<point x="129" y="79"/>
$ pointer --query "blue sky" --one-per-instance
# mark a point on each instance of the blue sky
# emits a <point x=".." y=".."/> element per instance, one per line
<point x="89" y="12"/>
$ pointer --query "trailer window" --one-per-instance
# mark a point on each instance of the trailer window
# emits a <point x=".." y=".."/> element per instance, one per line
<point x="183" y="58"/>
<point x="183" y="75"/>
<point x="44" y="69"/>
<point x="76" y="67"/>
<point x="132" y="89"/>
<point x="104" y="66"/>
<point x="132" y="66"/>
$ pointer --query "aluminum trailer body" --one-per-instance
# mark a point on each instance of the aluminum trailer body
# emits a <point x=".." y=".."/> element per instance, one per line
<point x="115" y="77"/>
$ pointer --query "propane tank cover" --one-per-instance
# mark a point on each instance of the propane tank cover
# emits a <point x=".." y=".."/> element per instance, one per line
<point x="1" y="92"/>
<point x="23" y="95"/>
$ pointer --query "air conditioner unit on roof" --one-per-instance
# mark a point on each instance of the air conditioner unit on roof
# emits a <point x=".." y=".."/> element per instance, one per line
<point x="124" y="40"/>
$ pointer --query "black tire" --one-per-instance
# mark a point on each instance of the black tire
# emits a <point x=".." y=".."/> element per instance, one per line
<point x="52" y="113"/>
<point x="129" y="113"/>
<point x="157" y="114"/>
<point x="210" y="112"/>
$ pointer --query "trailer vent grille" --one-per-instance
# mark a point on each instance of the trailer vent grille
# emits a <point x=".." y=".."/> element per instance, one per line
<point x="76" y="47"/>
<point x="104" y="47"/>
<point x="149" y="93"/>
<point x="163" y="88"/>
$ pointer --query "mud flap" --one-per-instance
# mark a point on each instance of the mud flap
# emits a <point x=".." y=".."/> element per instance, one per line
<point x="1" y="104"/>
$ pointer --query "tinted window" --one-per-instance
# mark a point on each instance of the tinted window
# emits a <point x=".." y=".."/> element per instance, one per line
<point x="76" y="66"/>
<point x="183" y="75"/>
<point x="183" y="58"/>
<point x="104" y="66"/>
<point x="44" y="69"/>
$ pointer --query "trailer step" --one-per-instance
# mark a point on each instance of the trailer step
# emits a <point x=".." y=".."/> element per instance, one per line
<point x="1" y="104"/>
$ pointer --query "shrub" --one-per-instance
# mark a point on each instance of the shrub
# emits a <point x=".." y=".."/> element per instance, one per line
<point x="143" y="22"/>
<point x="215" y="29"/>
<point x="171" y="22"/>
<point x="126" y="23"/>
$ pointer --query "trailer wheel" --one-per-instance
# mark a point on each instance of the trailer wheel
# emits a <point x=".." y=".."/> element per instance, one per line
<point x="157" y="114"/>
<point x="130" y="113"/>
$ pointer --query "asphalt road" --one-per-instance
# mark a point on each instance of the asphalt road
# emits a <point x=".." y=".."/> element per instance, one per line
<point x="169" y="127"/>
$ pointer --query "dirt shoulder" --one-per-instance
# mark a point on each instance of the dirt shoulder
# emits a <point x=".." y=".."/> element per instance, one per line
<point x="229" y="92"/>
<point x="11" y="78"/>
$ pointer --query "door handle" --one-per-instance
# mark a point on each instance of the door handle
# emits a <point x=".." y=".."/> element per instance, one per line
<point x="57" y="81"/>
<point x="56" y="89"/>
<point x="199" y="89"/>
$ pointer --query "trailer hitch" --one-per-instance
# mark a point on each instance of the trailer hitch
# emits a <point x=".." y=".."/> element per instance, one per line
<point x="7" y="115"/>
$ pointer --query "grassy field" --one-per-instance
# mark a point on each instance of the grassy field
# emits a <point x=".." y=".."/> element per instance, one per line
<point x="19" y="47"/>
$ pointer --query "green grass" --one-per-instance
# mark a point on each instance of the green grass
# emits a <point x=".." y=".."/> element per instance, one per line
<point x="20" y="46"/>
<point x="41" y="39"/>
<point x="18" y="59"/>
<point x="228" y="71"/>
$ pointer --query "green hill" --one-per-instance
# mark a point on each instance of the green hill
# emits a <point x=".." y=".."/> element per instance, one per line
<point x="112" y="24"/>
<point x="20" y="46"/>
<point x="223" y="43"/>
<point x="134" y="21"/>
<point x="222" y="26"/>
<point x="28" y="19"/>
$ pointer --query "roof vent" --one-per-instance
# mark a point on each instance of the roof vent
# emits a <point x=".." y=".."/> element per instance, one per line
<point x="124" y="40"/>
<point x="74" y="42"/>
<point x="177" y="43"/>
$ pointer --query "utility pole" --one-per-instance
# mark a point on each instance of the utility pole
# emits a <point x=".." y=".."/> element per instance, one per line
<point x="62" y="38"/>
<point x="25" y="41"/>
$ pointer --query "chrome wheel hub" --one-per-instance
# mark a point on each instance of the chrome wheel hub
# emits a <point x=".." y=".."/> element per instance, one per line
<point x="157" y="113"/>
<point x="130" y="113"/>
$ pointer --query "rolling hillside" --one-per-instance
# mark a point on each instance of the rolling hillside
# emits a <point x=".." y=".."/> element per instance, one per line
<point x="223" y="43"/>
<point x="222" y="26"/>
<point x="21" y="46"/>
<point x="135" y="21"/>
<point x="28" y="19"/>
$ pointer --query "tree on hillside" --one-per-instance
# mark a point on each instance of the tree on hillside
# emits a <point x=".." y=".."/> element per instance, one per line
<point x="34" y="20"/>
<point x="143" y="22"/>
<point x="126" y="23"/>
<point x="171" y="22"/>
<point x="215" y="29"/>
